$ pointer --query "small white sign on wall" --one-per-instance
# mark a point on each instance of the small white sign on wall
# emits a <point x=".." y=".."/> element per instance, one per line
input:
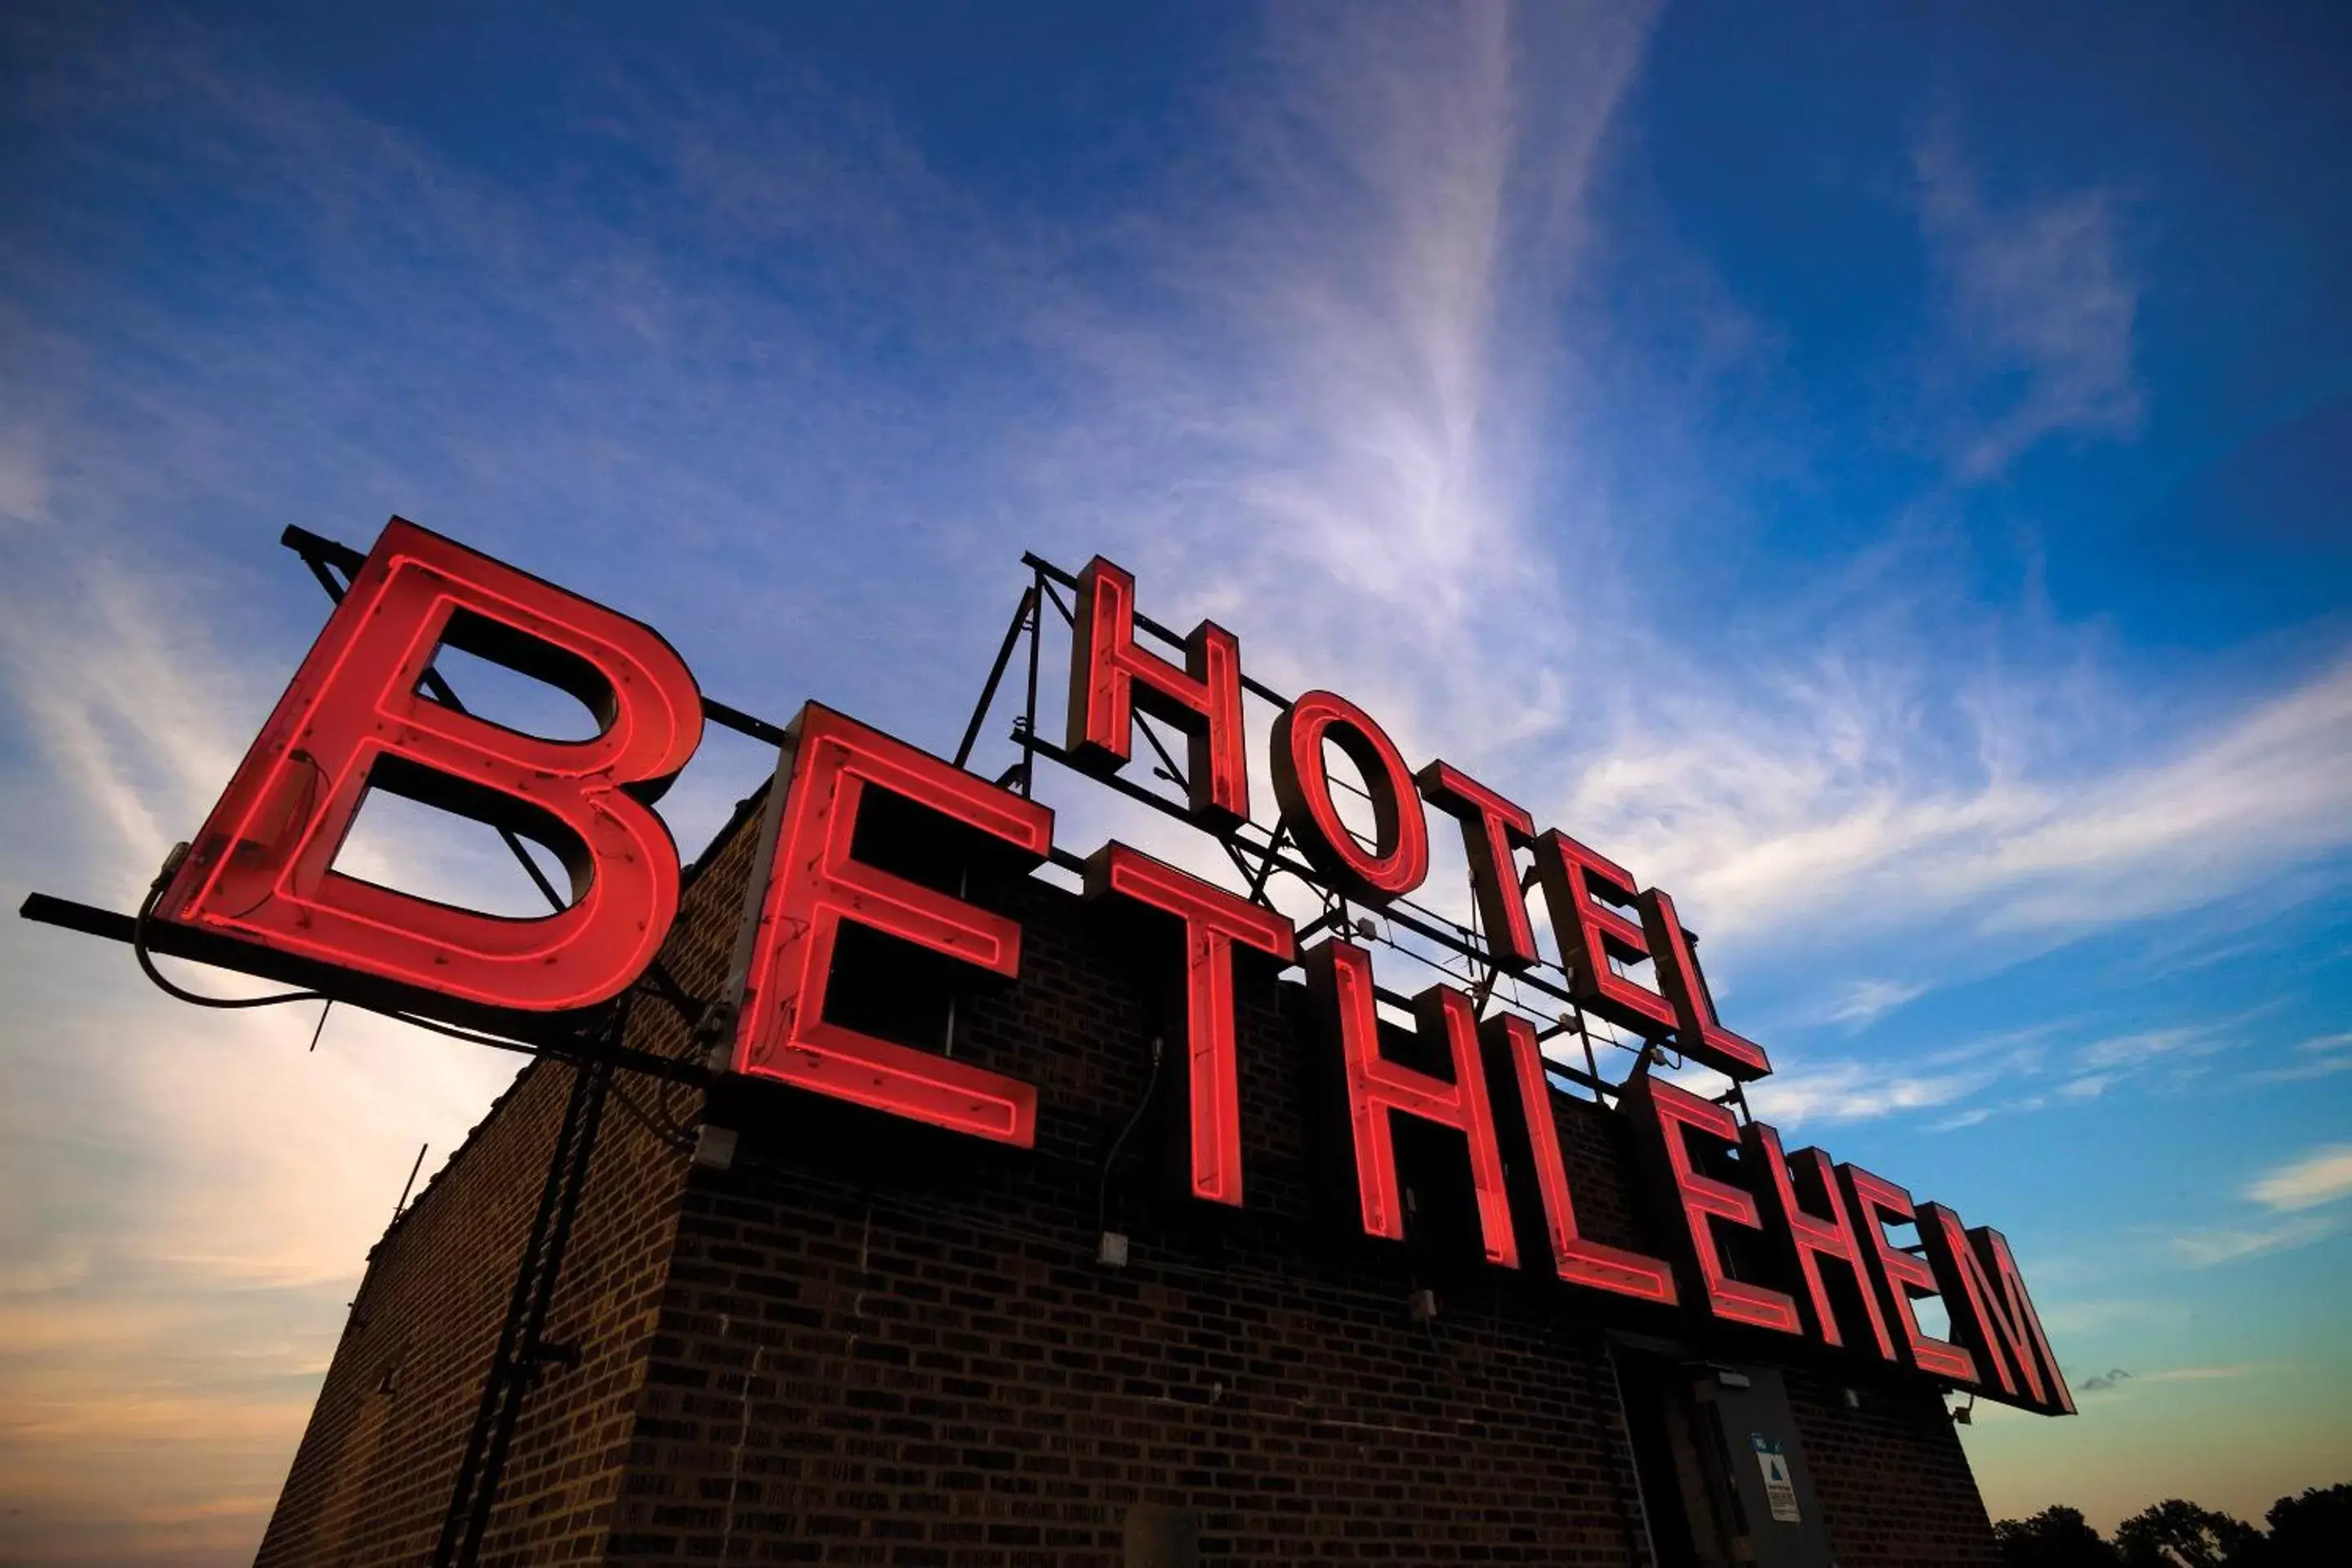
<point x="1780" y="1486"/>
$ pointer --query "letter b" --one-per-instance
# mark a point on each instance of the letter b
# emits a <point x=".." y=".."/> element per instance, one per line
<point x="353" y="718"/>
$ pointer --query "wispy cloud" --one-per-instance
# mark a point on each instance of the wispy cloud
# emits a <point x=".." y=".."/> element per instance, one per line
<point x="2077" y="1074"/>
<point x="2205" y="1248"/>
<point x="2201" y="1373"/>
<point x="2312" y="1180"/>
<point x="127" y="722"/>
<point x="1335" y="437"/>
<point x="2040" y="309"/>
<point x="1334" y="400"/>
<point x="2322" y="1055"/>
<point x="185" y="1195"/>
<point x="1863" y="1002"/>
<point x="1801" y="1092"/>
<point x="1757" y="813"/>
<point x="1914" y="769"/>
<point x="2113" y="1379"/>
<point x="2320" y="1176"/>
<point x="1802" y="1088"/>
<point x="2082" y="1317"/>
<point x="1804" y="1085"/>
<point x="24" y="476"/>
<point x="2154" y="1044"/>
<point x="2088" y="1071"/>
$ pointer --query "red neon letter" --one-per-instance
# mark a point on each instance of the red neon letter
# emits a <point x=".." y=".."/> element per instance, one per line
<point x="1994" y="1247"/>
<point x="1590" y="933"/>
<point x="1966" y="1262"/>
<point x="1491" y="825"/>
<point x="1807" y="1238"/>
<point x="353" y="720"/>
<point x="813" y="885"/>
<point x="1110" y="676"/>
<point x="1666" y="1115"/>
<point x="1214" y="919"/>
<point x="1574" y="1259"/>
<point x="1878" y="1203"/>
<point x="1401" y="858"/>
<point x="1698" y="1034"/>
<point x="1341" y="975"/>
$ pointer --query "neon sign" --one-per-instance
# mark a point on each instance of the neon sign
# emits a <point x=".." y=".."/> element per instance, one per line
<point x="258" y="880"/>
<point x="261" y="869"/>
<point x="1214" y="920"/>
<point x="814" y="884"/>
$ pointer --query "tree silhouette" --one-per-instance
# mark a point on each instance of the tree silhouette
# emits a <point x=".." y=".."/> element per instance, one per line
<point x="2314" y="1530"/>
<point x="2176" y="1534"/>
<point x="2311" y="1531"/>
<point x="2054" y="1538"/>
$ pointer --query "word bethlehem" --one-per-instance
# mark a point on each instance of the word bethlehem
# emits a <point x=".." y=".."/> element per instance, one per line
<point x="864" y="836"/>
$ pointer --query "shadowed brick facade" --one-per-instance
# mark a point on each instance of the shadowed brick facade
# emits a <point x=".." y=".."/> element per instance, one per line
<point x="867" y="1341"/>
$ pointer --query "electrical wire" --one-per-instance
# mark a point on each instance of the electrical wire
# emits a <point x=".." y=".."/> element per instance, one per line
<point x="147" y="962"/>
<point x="139" y="947"/>
<point x="1110" y="1160"/>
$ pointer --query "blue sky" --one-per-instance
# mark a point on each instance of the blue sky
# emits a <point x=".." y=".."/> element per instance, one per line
<point x="1883" y="477"/>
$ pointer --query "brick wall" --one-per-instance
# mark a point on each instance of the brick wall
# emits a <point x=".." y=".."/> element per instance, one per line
<point x="376" y="1465"/>
<point x="1890" y="1478"/>
<point x="871" y="1342"/>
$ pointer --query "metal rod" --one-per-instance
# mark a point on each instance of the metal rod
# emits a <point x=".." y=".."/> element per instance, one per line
<point x="1326" y="917"/>
<point x="1028" y="734"/>
<point x="344" y="987"/>
<point x="1047" y="569"/>
<point x="996" y="673"/>
<point x="1449" y="940"/>
<point x="1069" y="616"/>
<point x="1265" y="866"/>
<point x="319" y="547"/>
<point x="743" y="724"/>
<point x="515" y="1365"/>
<point x="317" y="551"/>
<point x="657" y="981"/>
<point x="676" y="1137"/>
<point x="1175" y="774"/>
<point x="410" y="1185"/>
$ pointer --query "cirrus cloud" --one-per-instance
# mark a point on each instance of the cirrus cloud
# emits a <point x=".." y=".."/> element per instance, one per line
<point x="2320" y="1176"/>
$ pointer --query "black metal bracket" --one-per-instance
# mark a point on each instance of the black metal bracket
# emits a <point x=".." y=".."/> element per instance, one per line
<point x="322" y="554"/>
<point x="565" y="1353"/>
<point x="559" y="1037"/>
<point x="1256" y="851"/>
<point x="522" y="1356"/>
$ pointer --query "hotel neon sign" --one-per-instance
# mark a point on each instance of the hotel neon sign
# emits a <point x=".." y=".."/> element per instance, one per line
<point x="256" y="890"/>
